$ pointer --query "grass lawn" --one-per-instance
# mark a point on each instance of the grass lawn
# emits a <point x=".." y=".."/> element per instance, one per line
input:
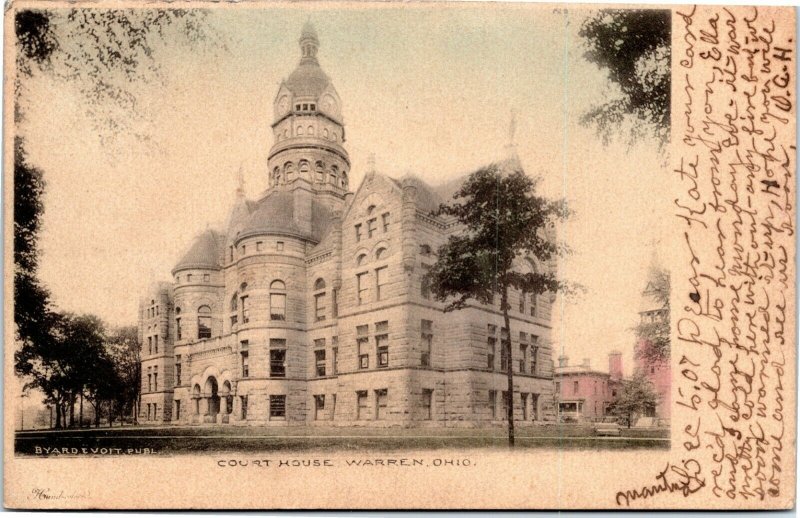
<point x="173" y="440"/>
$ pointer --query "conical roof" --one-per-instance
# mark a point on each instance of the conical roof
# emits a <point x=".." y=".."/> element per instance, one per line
<point x="203" y="254"/>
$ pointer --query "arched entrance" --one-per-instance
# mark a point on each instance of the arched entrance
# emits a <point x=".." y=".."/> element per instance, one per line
<point x="211" y="392"/>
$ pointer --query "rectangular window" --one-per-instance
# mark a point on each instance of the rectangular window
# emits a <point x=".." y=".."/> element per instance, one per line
<point x="277" y="407"/>
<point x="425" y="282"/>
<point x="504" y="401"/>
<point x="382" y="348"/>
<point x="155" y="378"/>
<point x="277" y="306"/>
<point x="370" y="227"/>
<point x="178" y="329"/>
<point x="362" y="287"/>
<point x="319" y="360"/>
<point x="523" y="357"/>
<point x="279" y="246"/>
<point x="534" y="407"/>
<point x="381" y="398"/>
<point x="493" y="403"/>
<point x="427" y="404"/>
<point x="277" y="358"/>
<point x="503" y="356"/>
<point x="177" y="370"/>
<point x="358" y="232"/>
<point x="534" y="360"/>
<point x="533" y="304"/>
<point x="244" y="249"/>
<point x="380" y="283"/>
<point x="575" y="387"/>
<point x="244" y="407"/>
<point x="362" y="344"/>
<point x="426" y="342"/>
<point x="361" y="404"/>
<point x="491" y="344"/>
<point x="149" y="382"/>
<point x="149" y="345"/>
<point x="206" y="277"/>
<point x="385" y="218"/>
<point x="245" y="309"/>
<point x="259" y="246"/>
<point x="334" y="302"/>
<point x="335" y="354"/>
<point x="319" y="406"/>
<point x="155" y="343"/>
<point x="522" y="302"/>
<point x="245" y="364"/>
<point x="177" y="409"/>
<point x="319" y="306"/>
<point x="524" y="398"/>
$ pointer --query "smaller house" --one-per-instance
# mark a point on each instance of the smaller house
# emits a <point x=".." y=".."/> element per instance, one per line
<point x="586" y="394"/>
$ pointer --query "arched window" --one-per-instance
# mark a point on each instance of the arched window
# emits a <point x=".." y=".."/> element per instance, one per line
<point x="304" y="168"/>
<point x="235" y="308"/>
<point x="203" y="322"/>
<point x="299" y="130"/>
<point x="319" y="176"/>
<point x="380" y="254"/>
<point x="178" y="329"/>
<point x="325" y="133"/>
<point x="277" y="300"/>
<point x="244" y="303"/>
<point x="370" y="210"/>
<point x="361" y="259"/>
<point x="333" y="177"/>
<point x="334" y="137"/>
<point x="319" y="300"/>
<point x="311" y="130"/>
<point x="288" y="171"/>
<point x="344" y="179"/>
<point x="276" y="174"/>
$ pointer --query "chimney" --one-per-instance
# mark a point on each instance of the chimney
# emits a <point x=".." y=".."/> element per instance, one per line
<point x="563" y="361"/>
<point x="615" y="365"/>
<point x="586" y="363"/>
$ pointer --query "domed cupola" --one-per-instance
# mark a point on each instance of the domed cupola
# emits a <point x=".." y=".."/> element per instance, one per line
<point x="204" y="254"/>
<point x="308" y="128"/>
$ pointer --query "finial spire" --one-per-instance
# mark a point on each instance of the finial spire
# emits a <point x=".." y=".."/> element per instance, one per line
<point x="240" y="182"/>
<point x="511" y="146"/>
<point x="309" y="42"/>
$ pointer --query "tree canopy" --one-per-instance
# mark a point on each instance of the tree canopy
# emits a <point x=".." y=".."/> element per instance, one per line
<point x="633" y="46"/>
<point x="503" y="222"/>
<point x="636" y="397"/>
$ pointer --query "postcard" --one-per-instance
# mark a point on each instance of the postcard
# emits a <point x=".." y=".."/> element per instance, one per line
<point x="399" y="255"/>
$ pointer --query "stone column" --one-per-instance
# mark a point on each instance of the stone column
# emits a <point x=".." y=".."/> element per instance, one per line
<point x="222" y="416"/>
<point x="237" y="412"/>
<point x="204" y="405"/>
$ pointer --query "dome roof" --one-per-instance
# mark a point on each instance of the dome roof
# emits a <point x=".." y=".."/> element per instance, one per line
<point x="203" y="254"/>
<point x="308" y="79"/>
<point x="274" y="214"/>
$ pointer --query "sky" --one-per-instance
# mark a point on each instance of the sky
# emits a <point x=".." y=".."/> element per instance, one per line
<point x="427" y="89"/>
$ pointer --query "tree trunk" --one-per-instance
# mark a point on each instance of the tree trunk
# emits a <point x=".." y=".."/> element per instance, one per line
<point x="509" y="368"/>
<point x="80" y="413"/>
<point x="71" y="409"/>
<point x="58" y="415"/>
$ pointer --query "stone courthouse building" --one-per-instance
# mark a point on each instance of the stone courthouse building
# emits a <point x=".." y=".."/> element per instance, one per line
<point x="311" y="305"/>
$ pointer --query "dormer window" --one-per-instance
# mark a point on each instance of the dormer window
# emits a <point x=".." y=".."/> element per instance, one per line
<point x="297" y="107"/>
<point x="305" y="107"/>
<point x="313" y="107"/>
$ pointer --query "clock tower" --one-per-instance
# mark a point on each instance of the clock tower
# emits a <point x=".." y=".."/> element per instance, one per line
<point x="308" y="128"/>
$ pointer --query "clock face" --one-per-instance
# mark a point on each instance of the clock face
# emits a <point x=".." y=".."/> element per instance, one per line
<point x="283" y="105"/>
